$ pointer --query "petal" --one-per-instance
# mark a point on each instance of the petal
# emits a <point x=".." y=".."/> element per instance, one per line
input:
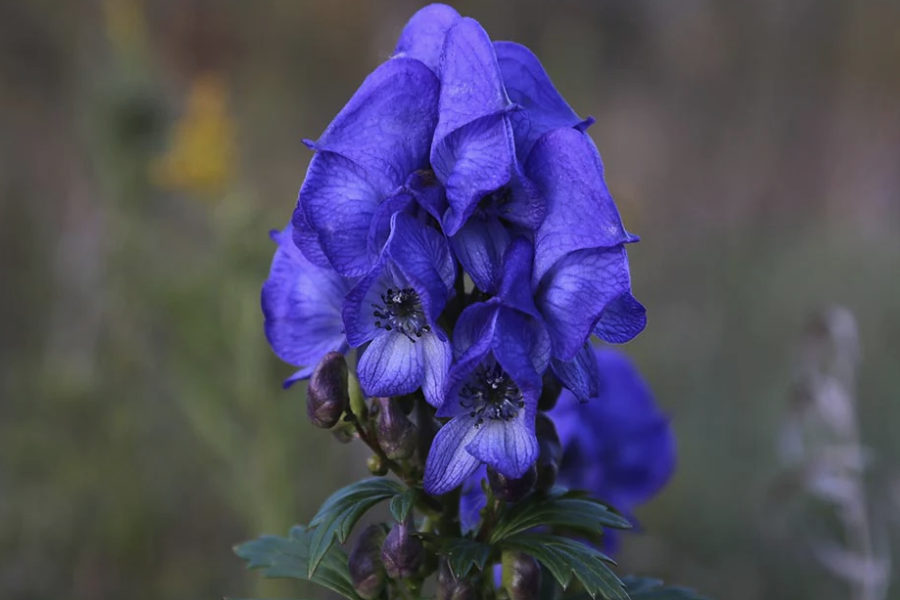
<point x="448" y="463"/>
<point x="428" y="192"/>
<point x="472" y="500"/>
<point x="479" y="245"/>
<point x="529" y="86"/>
<point x="437" y="353"/>
<point x="580" y="375"/>
<point x="301" y="303"/>
<point x="423" y="35"/>
<point x="339" y="201"/>
<point x="566" y="167"/>
<point x="387" y="126"/>
<point x="515" y="288"/>
<point x="510" y="447"/>
<point x="574" y="293"/>
<point x="471" y="83"/>
<point x="357" y="312"/>
<point x="472" y="339"/>
<point x="380" y="227"/>
<point x="622" y="320"/>
<point x="422" y="254"/>
<point x="391" y="365"/>
<point x="472" y="162"/>
<point x="307" y="240"/>
<point x="521" y="345"/>
<point x="380" y="137"/>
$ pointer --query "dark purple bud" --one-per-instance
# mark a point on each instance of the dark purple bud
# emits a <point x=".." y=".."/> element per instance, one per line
<point x="508" y="489"/>
<point x="402" y="553"/>
<point x="521" y="576"/>
<point x="327" y="395"/>
<point x="396" y="433"/>
<point x="366" y="569"/>
<point x="551" y="452"/>
<point x="550" y="391"/>
<point x="376" y="466"/>
<point x="450" y="588"/>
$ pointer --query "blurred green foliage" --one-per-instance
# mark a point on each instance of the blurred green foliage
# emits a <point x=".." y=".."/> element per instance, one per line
<point x="143" y="430"/>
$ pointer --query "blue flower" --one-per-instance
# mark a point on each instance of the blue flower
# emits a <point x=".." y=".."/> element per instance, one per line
<point x="395" y="308"/>
<point x="494" y="384"/>
<point x="364" y="158"/>
<point x="489" y="199"/>
<point x="581" y="266"/>
<point x="619" y="446"/>
<point x="302" y="307"/>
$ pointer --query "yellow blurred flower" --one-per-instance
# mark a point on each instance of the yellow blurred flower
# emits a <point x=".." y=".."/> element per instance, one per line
<point x="202" y="155"/>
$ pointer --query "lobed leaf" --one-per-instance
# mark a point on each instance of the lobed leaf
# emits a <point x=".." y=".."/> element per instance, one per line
<point x="570" y="510"/>
<point x="402" y="504"/>
<point x="463" y="554"/>
<point x="340" y="512"/>
<point x="279" y="557"/>
<point x="564" y="557"/>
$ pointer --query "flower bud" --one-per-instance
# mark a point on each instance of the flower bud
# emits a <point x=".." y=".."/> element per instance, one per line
<point x="366" y="569"/>
<point x="551" y="452"/>
<point x="550" y="391"/>
<point x="376" y="466"/>
<point x="508" y="489"/>
<point x="396" y="433"/>
<point x="451" y="588"/>
<point x="521" y="576"/>
<point x="327" y="395"/>
<point x="402" y="553"/>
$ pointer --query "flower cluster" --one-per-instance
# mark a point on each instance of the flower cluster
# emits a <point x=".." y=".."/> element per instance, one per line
<point x="455" y="228"/>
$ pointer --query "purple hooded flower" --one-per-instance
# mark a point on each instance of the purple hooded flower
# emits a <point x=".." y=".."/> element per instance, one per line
<point x="619" y="446"/>
<point x="377" y="142"/>
<point x="395" y="308"/>
<point x="302" y="307"/>
<point x="494" y="384"/>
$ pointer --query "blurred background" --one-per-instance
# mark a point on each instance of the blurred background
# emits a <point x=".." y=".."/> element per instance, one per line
<point x="147" y="147"/>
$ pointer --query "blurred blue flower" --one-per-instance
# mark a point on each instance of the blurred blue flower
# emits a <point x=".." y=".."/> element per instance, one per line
<point x="302" y="307"/>
<point x="619" y="445"/>
<point x="395" y="309"/>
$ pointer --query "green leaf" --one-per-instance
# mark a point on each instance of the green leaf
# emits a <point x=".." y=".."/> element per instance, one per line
<point x="341" y="511"/>
<point x="564" y="557"/>
<point x="644" y="588"/>
<point x="462" y="554"/>
<point x="570" y="510"/>
<point x="280" y="557"/>
<point x="402" y="504"/>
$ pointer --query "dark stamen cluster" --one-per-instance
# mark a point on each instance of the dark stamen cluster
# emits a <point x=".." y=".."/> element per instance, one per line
<point x="401" y="310"/>
<point x="492" y="394"/>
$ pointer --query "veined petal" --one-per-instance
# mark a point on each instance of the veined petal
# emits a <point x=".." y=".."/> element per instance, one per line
<point x="510" y="447"/>
<point x="566" y="167"/>
<point x="428" y="192"/>
<point x="338" y="202"/>
<point x="357" y="312"/>
<point x="521" y="345"/>
<point x="472" y="340"/>
<point x="574" y="293"/>
<point x="622" y="320"/>
<point x="479" y="245"/>
<point x="307" y="240"/>
<point x="472" y="500"/>
<point x="448" y="463"/>
<point x="529" y="86"/>
<point x="387" y="126"/>
<point x="580" y="375"/>
<point x="472" y="162"/>
<point x="423" y="256"/>
<point x="380" y="227"/>
<point x="515" y="288"/>
<point x="437" y="354"/>
<point x="301" y="303"/>
<point x="381" y="136"/>
<point x="391" y="365"/>
<point x="423" y="36"/>
<point x="471" y="83"/>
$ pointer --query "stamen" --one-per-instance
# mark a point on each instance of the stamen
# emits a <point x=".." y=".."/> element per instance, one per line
<point x="491" y="394"/>
<point x="401" y="310"/>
